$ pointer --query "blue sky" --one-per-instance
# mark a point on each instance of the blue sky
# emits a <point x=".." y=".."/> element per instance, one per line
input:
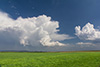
<point x="69" y="14"/>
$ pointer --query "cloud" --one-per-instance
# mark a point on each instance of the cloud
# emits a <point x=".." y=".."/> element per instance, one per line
<point x="88" y="32"/>
<point x="32" y="31"/>
<point x="85" y="44"/>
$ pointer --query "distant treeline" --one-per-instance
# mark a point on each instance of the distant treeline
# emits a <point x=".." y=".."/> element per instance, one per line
<point x="48" y="51"/>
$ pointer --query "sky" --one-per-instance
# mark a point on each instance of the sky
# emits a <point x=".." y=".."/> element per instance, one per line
<point x="50" y="25"/>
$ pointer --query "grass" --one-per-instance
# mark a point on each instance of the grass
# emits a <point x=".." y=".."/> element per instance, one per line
<point x="56" y="59"/>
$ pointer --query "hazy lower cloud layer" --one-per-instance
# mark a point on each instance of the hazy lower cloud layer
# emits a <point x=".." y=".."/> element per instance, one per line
<point x="33" y="31"/>
<point x="85" y="44"/>
<point x="88" y="32"/>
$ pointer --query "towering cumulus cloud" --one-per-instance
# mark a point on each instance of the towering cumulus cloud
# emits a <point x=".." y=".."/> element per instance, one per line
<point x="88" y="32"/>
<point x="30" y="31"/>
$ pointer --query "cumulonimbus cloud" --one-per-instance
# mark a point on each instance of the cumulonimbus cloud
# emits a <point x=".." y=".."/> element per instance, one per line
<point x="31" y="31"/>
<point x="88" y="32"/>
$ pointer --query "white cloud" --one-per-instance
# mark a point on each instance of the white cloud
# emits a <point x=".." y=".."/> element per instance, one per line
<point x="88" y="32"/>
<point x="85" y="44"/>
<point x="31" y="31"/>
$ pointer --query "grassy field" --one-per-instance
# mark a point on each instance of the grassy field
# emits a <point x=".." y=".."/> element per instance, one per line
<point x="52" y="59"/>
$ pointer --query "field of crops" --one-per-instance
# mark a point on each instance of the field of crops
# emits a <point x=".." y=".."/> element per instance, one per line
<point x="51" y="59"/>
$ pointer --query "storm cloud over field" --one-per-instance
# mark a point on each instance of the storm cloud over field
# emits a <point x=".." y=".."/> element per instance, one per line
<point x="33" y="31"/>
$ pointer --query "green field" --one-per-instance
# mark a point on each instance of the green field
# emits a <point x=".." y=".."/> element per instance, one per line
<point x="50" y="59"/>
